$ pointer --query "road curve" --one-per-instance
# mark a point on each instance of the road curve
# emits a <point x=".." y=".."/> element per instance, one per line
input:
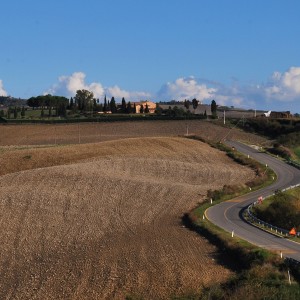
<point x="227" y="215"/>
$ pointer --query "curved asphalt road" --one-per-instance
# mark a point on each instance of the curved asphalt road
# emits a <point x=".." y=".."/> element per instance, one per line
<point x="227" y="214"/>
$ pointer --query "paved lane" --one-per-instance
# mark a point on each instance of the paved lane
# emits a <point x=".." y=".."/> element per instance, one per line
<point x="227" y="215"/>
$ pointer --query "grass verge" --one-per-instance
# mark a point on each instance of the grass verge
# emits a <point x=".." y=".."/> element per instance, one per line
<point x="261" y="274"/>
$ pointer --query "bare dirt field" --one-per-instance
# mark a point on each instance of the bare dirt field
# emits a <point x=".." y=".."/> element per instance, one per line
<point x="98" y="132"/>
<point x="102" y="220"/>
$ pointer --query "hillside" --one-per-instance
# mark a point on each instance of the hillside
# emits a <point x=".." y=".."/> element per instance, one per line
<point x="107" y="224"/>
<point x="6" y="101"/>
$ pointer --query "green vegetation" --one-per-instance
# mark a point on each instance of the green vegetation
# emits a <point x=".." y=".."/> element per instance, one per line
<point x="261" y="274"/>
<point x="297" y="153"/>
<point x="286" y="132"/>
<point x="214" y="109"/>
<point x="281" y="210"/>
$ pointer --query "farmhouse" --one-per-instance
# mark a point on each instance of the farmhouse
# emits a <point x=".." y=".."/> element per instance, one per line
<point x="280" y="114"/>
<point x="151" y="106"/>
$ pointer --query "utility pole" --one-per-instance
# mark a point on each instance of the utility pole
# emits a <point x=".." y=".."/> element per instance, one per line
<point x="224" y="118"/>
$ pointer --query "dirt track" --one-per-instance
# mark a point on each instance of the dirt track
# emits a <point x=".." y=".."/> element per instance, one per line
<point x="109" y="226"/>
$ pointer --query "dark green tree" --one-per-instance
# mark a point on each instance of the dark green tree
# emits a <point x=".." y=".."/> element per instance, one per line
<point x="113" y="106"/>
<point x="95" y="104"/>
<point x="23" y="112"/>
<point x="15" y="113"/>
<point x="105" y="104"/>
<point x="147" y="109"/>
<point x="128" y="108"/>
<point x="8" y="113"/>
<point x="84" y="99"/>
<point x="134" y="108"/>
<point x="62" y="110"/>
<point x="213" y="108"/>
<point x="123" y="106"/>
<point x="186" y="104"/>
<point x="42" y="112"/>
<point x="158" y="110"/>
<point x="195" y="103"/>
<point x="142" y="109"/>
<point x="71" y="105"/>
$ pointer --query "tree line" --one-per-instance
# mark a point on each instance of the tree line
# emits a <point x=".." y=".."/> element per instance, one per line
<point x="84" y="103"/>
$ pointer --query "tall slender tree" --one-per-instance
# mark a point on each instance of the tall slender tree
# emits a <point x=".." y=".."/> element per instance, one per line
<point x="123" y="106"/>
<point x="113" y="106"/>
<point x="195" y="103"/>
<point x="129" y="108"/>
<point x="141" y="109"/>
<point x="23" y="112"/>
<point x="213" y="108"/>
<point x="105" y="104"/>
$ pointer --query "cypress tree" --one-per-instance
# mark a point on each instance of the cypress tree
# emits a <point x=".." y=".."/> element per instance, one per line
<point x="141" y="109"/>
<point x="213" y="108"/>
<point x="123" y="106"/>
<point x="113" y="106"/>
<point x="129" y="108"/>
<point x="15" y="113"/>
<point x="105" y="104"/>
<point x="23" y="112"/>
<point x="147" y="109"/>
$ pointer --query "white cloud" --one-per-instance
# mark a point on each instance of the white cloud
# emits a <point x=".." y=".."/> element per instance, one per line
<point x="68" y="85"/>
<point x="273" y="94"/>
<point x="118" y="93"/>
<point x="281" y="92"/>
<point x="203" y="90"/>
<point x="186" y="88"/>
<point x="284" y="87"/>
<point x="2" y="90"/>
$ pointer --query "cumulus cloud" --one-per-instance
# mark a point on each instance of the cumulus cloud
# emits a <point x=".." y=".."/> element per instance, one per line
<point x="281" y="91"/>
<point x="68" y="85"/>
<point x="284" y="87"/>
<point x="2" y="90"/>
<point x="185" y="88"/>
<point x="203" y="90"/>
<point x="118" y="93"/>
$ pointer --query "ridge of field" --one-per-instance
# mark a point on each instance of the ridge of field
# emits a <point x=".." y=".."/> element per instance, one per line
<point x="52" y="134"/>
<point x="109" y="225"/>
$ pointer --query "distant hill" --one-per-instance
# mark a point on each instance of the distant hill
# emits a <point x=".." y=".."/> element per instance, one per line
<point x="6" y="101"/>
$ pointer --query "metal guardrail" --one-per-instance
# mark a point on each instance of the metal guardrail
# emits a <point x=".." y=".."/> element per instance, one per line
<point x="294" y="164"/>
<point x="262" y="223"/>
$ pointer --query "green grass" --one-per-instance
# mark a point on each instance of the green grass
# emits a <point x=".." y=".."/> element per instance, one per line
<point x="262" y="274"/>
<point x="297" y="153"/>
<point x="281" y="210"/>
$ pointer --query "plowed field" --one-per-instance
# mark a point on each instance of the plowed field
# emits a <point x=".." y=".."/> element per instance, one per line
<point x="108" y="225"/>
<point x="99" y="132"/>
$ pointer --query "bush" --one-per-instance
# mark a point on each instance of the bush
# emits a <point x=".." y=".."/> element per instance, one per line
<point x="282" y="212"/>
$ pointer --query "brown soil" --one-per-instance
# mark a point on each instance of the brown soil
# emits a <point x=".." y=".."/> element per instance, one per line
<point x="99" y="132"/>
<point x="108" y="225"/>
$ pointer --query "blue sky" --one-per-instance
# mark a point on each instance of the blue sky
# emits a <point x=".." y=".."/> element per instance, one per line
<point x="241" y="53"/>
